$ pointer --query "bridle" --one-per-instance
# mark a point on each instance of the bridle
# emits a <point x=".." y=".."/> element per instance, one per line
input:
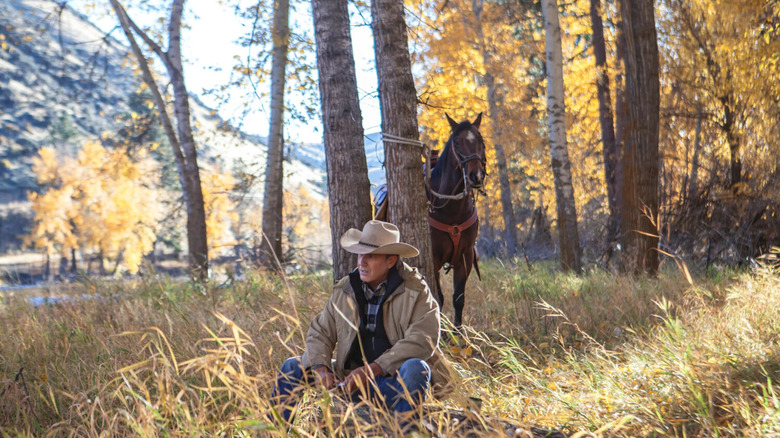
<point x="461" y="162"/>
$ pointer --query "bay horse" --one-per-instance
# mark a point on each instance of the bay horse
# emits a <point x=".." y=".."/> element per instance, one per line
<point x="452" y="211"/>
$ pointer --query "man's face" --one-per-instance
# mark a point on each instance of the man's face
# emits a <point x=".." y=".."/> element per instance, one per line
<point x="374" y="268"/>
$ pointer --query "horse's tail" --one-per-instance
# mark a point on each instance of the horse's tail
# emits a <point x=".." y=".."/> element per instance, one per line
<point x="476" y="263"/>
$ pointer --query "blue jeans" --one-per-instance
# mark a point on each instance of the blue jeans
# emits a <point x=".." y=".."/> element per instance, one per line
<point x="414" y="374"/>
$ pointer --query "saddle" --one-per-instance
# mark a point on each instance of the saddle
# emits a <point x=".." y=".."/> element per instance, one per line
<point x="380" y="197"/>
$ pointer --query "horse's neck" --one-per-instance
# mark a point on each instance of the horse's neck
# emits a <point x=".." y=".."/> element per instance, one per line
<point x="443" y="181"/>
<point x="453" y="211"/>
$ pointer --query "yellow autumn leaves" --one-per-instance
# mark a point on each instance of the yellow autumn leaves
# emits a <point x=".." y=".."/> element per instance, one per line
<point x="109" y="202"/>
<point x="719" y="62"/>
<point x="101" y="200"/>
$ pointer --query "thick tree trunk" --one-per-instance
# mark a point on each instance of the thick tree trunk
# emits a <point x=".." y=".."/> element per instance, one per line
<point x="605" y="118"/>
<point x="181" y="140"/>
<point x="639" y="230"/>
<point x="621" y="115"/>
<point x="274" y="187"/>
<point x="564" y="191"/>
<point x="407" y="207"/>
<point x="348" y="187"/>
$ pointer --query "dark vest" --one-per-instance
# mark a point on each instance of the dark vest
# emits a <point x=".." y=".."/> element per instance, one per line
<point x="373" y="343"/>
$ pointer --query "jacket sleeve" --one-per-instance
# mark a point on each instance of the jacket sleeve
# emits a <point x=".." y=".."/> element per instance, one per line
<point x="421" y="337"/>
<point x="321" y="339"/>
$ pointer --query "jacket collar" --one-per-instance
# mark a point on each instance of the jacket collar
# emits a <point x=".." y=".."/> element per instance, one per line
<point x="394" y="280"/>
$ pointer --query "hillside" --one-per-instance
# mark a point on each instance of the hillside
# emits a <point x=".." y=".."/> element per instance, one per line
<point x="56" y="66"/>
<point x="314" y="155"/>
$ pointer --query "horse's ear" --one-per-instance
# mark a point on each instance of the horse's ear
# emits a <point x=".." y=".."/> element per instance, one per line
<point x="453" y="123"/>
<point x="477" y="121"/>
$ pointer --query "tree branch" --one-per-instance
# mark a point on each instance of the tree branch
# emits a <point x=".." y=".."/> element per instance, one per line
<point x="149" y="42"/>
<point x="125" y="22"/>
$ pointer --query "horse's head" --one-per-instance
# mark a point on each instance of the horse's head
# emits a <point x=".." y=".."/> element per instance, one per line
<point x="468" y="149"/>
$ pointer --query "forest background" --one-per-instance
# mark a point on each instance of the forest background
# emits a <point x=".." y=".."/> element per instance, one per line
<point x="585" y="334"/>
<point x="717" y="165"/>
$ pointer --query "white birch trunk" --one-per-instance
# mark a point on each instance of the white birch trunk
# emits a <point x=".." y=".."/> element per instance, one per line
<point x="559" y="152"/>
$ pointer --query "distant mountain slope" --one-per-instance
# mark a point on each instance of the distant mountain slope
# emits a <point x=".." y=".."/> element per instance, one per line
<point x="42" y="80"/>
<point x="55" y="63"/>
<point x="313" y="154"/>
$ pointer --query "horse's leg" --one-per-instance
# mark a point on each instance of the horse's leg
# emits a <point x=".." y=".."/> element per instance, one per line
<point x="438" y="257"/>
<point x="461" y="273"/>
<point x="439" y="294"/>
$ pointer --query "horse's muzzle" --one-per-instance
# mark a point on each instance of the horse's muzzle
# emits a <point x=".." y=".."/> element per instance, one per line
<point x="477" y="179"/>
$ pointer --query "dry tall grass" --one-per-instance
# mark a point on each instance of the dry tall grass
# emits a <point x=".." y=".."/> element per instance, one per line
<point x="594" y="353"/>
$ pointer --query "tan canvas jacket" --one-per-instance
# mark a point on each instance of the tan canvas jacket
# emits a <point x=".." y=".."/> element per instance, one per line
<point x="412" y="324"/>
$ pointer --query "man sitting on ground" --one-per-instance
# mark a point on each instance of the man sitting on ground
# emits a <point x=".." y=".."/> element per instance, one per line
<point x="390" y="357"/>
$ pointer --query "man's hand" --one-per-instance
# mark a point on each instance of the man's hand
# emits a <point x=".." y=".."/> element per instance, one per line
<point x="323" y="376"/>
<point x="360" y="377"/>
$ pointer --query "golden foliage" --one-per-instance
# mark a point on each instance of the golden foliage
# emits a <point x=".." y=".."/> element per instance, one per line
<point x="220" y="209"/>
<point x="719" y="63"/>
<point x="306" y="226"/>
<point x="463" y="44"/>
<point x="102" y="200"/>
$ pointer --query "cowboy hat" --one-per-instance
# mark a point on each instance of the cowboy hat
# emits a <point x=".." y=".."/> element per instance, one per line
<point x="377" y="237"/>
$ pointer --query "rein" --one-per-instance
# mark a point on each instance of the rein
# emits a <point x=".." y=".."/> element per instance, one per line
<point x="389" y="138"/>
<point x="456" y="230"/>
<point x="461" y="163"/>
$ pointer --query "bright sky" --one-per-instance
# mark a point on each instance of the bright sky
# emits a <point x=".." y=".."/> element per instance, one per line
<point x="209" y="47"/>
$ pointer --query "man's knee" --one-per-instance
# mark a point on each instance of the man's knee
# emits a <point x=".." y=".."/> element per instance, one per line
<point x="415" y="372"/>
<point x="292" y="368"/>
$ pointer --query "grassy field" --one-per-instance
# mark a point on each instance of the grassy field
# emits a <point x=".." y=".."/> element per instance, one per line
<point x="596" y="353"/>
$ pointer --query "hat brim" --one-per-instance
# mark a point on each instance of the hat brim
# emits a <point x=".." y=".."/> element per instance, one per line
<point x="350" y="242"/>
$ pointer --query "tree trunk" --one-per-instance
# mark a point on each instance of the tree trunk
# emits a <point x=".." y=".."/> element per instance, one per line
<point x="196" y="213"/>
<point x="510" y="221"/>
<point x="348" y="187"/>
<point x="47" y="267"/>
<point x="564" y="191"/>
<point x="729" y="126"/>
<point x="182" y="141"/>
<point x="101" y="263"/>
<point x="503" y="174"/>
<point x="605" y="118"/>
<point x="640" y="186"/>
<point x="486" y="238"/>
<point x="63" y="265"/>
<point x="620" y="126"/>
<point x="274" y="187"/>
<point x="407" y="207"/>
<point x="693" y="185"/>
